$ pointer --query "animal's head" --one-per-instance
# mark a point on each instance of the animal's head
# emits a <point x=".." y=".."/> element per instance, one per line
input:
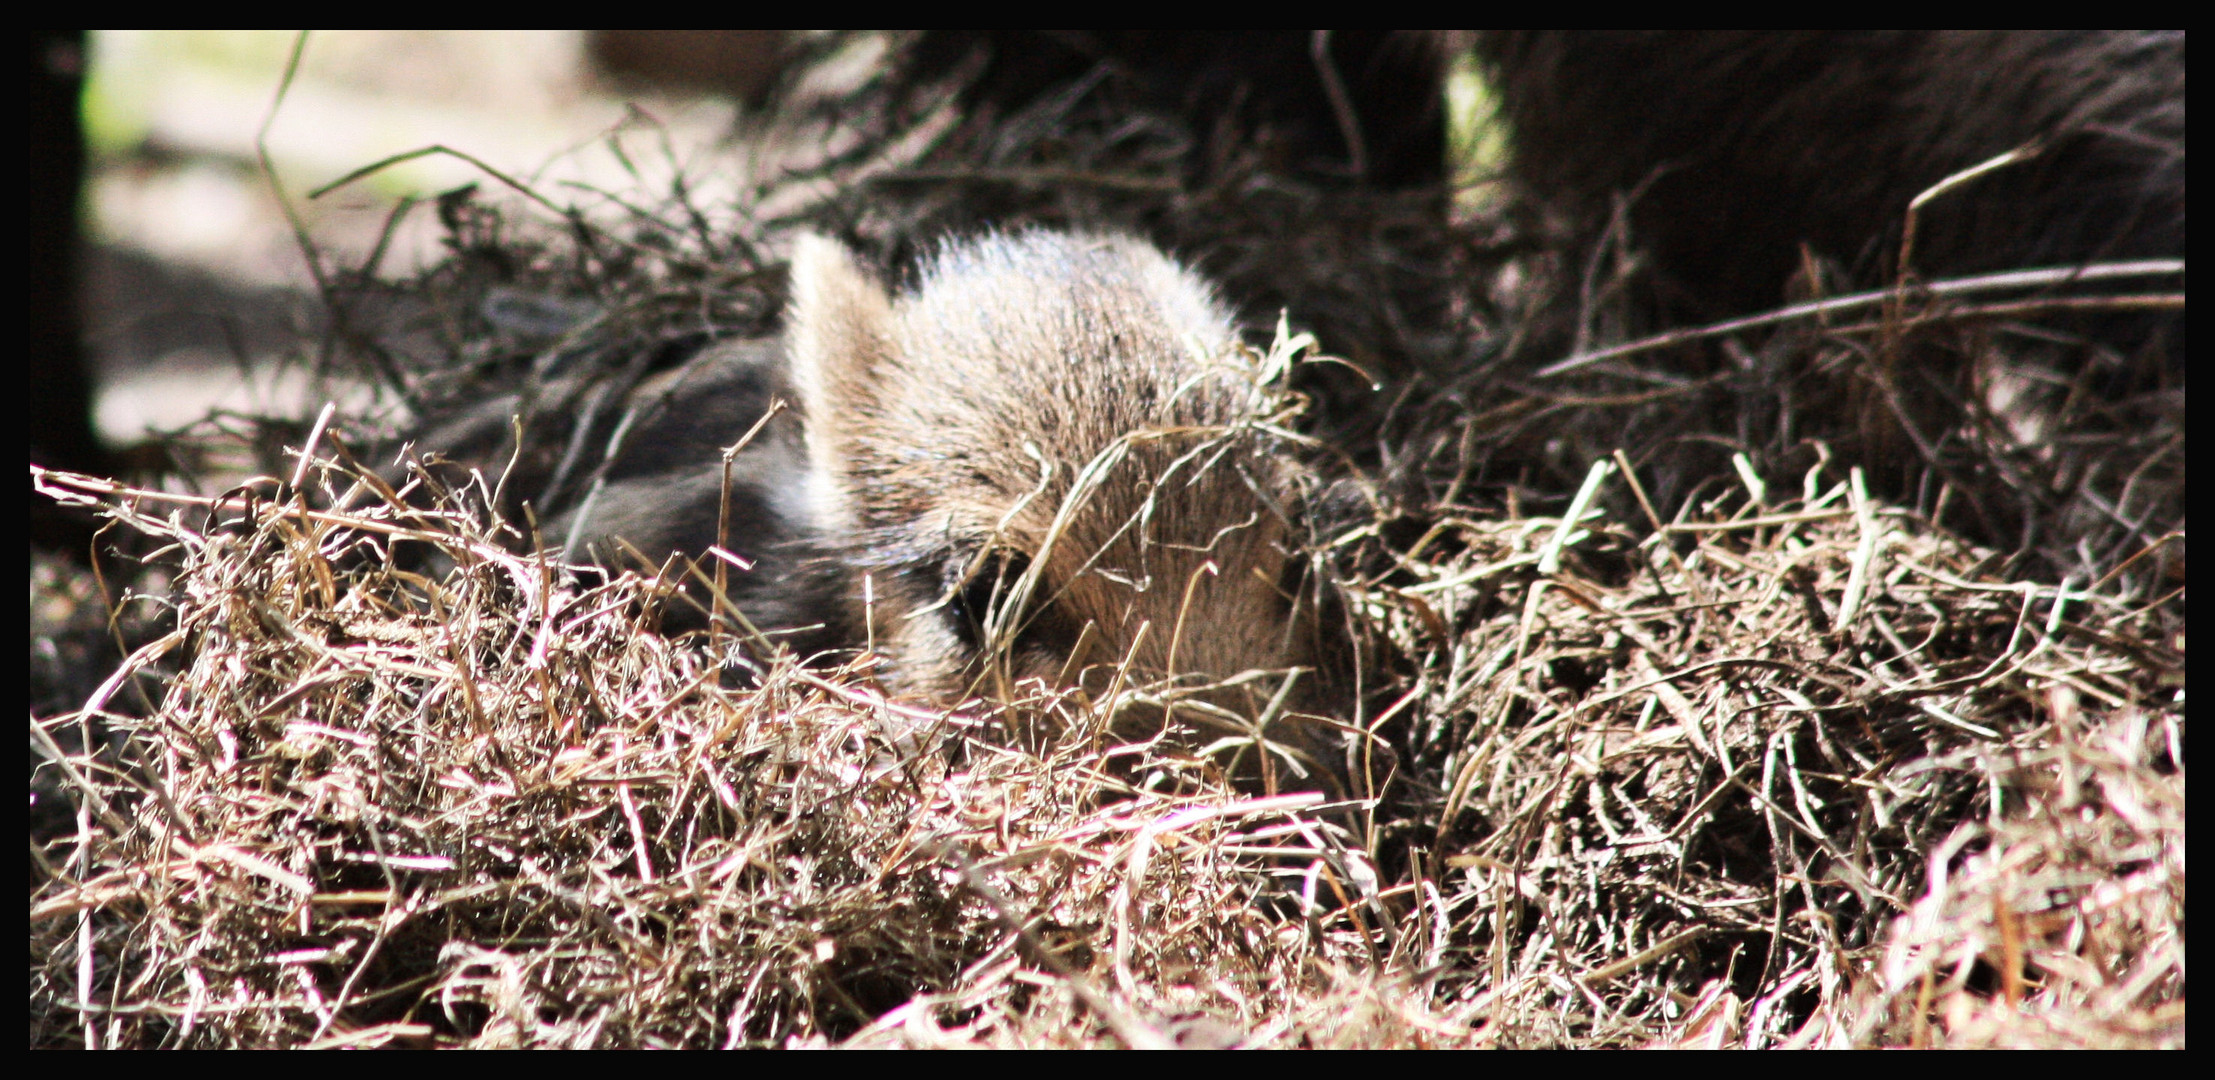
<point x="1044" y="456"/>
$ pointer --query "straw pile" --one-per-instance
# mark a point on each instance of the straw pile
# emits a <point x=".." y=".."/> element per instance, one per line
<point x="1791" y="769"/>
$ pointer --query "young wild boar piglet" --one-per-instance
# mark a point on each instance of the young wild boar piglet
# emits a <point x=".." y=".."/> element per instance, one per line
<point x="1044" y="462"/>
<point x="1047" y="461"/>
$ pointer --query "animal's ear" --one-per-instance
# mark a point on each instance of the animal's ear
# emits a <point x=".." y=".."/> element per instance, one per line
<point x="839" y="333"/>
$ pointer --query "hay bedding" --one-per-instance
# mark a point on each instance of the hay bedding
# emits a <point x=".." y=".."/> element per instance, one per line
<point x="1670" y="791"/>
<point x="1748" y="756"/>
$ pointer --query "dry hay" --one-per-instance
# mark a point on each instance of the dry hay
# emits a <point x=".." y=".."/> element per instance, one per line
<point x="1733" y="743"/>
<point x="1790" y="770"/>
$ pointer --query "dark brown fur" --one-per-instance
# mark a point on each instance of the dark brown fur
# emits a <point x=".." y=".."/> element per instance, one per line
<point x="628" y="479"/>
<point x="1742" y="146"/>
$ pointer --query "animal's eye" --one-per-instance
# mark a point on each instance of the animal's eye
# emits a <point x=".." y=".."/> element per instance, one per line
<point x="974" y="597"/>
<point x="1291" y="581"/>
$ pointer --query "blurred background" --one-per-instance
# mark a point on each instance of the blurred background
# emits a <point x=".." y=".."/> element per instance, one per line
<point x="190" y="279"/>
<point x="187" y="277"/>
